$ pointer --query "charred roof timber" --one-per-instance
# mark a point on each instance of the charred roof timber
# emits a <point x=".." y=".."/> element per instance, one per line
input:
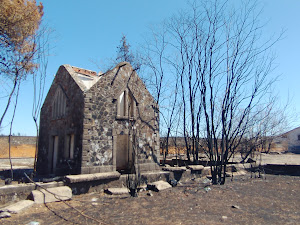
<point x="84" y="71"/>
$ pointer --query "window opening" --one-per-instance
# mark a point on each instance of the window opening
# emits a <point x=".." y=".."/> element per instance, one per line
<point x="59" y="104"/>
<point x="126" y="105"/>
<point x="69" y="147"/>
<point x="54" y="153"/>
<point x="122" y="107"/>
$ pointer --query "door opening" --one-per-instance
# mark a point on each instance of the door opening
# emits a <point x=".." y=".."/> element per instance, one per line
<point x="124" y="153"/>
<point x="54" y="152"/>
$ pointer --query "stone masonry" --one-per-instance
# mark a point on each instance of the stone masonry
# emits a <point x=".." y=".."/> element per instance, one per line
<point x="98" y="123"/>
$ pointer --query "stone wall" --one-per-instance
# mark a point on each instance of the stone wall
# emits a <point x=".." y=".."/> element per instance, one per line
<point x="71" y="123"/>
<point x="21" y="146"/>
<point x="102" y="125"/>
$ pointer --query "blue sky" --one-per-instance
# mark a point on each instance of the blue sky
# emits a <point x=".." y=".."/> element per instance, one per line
<point x="86" y="31"/>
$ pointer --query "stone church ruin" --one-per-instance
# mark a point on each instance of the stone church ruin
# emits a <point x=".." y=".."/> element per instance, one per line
<point x="94" y="123"/>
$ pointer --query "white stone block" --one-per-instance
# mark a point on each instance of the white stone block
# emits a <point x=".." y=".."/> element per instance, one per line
<point x="18" y="207"/>
<point x="55" y="194"/>
<point x="159" y="185"/>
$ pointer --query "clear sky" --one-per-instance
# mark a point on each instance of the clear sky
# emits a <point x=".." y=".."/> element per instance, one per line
<point x="87" y="31"/>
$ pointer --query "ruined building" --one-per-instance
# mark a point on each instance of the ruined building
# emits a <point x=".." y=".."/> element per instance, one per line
<point x="93" y="123"/>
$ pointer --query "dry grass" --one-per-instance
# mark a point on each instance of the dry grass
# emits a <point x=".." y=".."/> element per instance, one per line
<point x="18" y="151"/>
<point x="173" y="151"/>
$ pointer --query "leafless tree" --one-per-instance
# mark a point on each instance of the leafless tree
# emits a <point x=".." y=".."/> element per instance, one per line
<point x="164" y="90"/>
<point x="38" y="73"/>
<point x="39" y="79"/>
<point x="10" y="131"/>
<point x="268" y="124"/>
<point x="223" y="62"/>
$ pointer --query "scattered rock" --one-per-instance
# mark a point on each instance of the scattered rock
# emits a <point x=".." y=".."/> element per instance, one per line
<point x="143" y="188"/>
<point x="224" y="218"/>
<point x="7" y="181"/>
<point x="18" y="207"/>
<point x="150" y="193"/>
<point x="158" y="186"/>
<point x="195" y="167"/>
<point x="94" y="199"/>
<point x="5" y="215"/>
<point x="173" y="182"/>
<point x="207" y="189"/>
<point x="116" y="191"/>
<point x="235" y="207"/>
<point x="55" y="194"/>
<point x="33" y="223"/>
<point x="262" y="176"/>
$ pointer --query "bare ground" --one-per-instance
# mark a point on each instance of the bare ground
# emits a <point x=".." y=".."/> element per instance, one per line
<point x="245" y="200"/>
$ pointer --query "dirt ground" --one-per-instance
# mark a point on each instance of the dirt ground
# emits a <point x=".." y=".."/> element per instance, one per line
<point x="245" y="200"/>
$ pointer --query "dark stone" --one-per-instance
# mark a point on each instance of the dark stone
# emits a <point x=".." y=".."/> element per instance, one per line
<point x="84" y="107"/>
<point x="8" y="181"/>
<point x="173" y="182"/>
<point x="235" y="207"/>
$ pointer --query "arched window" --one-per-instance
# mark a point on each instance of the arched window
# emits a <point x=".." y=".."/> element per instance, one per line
<point x="126" y="105"/>
<point x="121" y="104"/>
<point x="59" y="104"/>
